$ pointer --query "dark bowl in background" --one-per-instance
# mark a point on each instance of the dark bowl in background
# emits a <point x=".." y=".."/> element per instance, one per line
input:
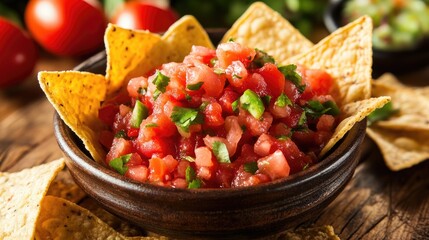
<point x="247" y="212"/>
<point x="394" y="61"/>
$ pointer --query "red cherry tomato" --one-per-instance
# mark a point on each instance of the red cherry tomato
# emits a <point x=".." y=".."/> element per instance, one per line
<point x="18" y="54"/>
<point x="66" y="27"/>
<point x="140" y="15"/>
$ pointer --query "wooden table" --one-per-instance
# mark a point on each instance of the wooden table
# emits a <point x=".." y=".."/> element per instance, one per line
<point x="376" y="204"/>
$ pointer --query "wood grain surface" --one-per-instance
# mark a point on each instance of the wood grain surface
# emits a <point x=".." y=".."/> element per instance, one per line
<point x="376" y="204"/>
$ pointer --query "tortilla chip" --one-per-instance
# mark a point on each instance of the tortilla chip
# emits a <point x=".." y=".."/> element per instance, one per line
<point x="183" y="34"/>
<point x="263" y="28"/>
<point x="346" y="55"/>
<point x="131" y="53"/>
<point x="61" y="219"/>
<point x="401" y="149"/>
<point x="67" y="190"/>
<point x="77" y="96"/>
<point x="413" y="113"/>
<point x="119" y="225"/>
<point x="20" y="196"/>
<point x="313" y="233"/>
<point x="389" y="79"/>
<point x="352" y="113"/>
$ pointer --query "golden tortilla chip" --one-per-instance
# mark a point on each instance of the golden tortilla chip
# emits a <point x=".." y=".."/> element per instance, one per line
<point x="263" y="28"/>
<point x="389" y="79"/>
<point x="411" y="105"/>
<point x="346" y="55"/>
<point x="21" y="194"/>
<point x="61" y="219"/>
<point x="77" y="96"/>
<point x="67" y="190"/>
<point x="402" y="148"/>
<point x="119" y="225"/>
<point x="352" y="113"/>
<point x="313" y="233"/>
<point x="131" y="53"/>
<point x="183" y="34"/>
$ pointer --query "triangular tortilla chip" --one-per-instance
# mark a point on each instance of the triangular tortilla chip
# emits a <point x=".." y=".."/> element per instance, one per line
<point x="61" y="219"/>
<point x="183" y="34"/>
<point x="263" y="28"/>
<point x="401" y="149"/>
<point x="410" y="103"/>
<point x="352" y="113"/>
<point x="131" y="53"/>
<point x="346" y="55"/>
<point x="77" y="96"/>
<point x="21" y="194"/>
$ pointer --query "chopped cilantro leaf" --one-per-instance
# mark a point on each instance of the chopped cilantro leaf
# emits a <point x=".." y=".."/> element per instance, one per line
<point x="251" y="102"/>
<point x="234" y="105"/>
<point x="188" y="158"/>
<point x="151" y="125"/>
<point x="161" y="82"/>
<point x="250" y="167"/>
<point x="140" y="112"/>
<point x="219" y="71"/>
<point x="194" y="87"/>
<point x="230" y="39"/>
<point x="289" y="71"/>
<point x="213" y="61"/>
<point x="283" y="137"/>
<point x="121" y="134"/>
<point x="283" y="101"/>
<point x="190" y="174"/>
<point x="302" y="120"/>
<point x="196" y="183"/>
<point x="236" y="76"/>
<point x="266" y="99"/>
<point x="119" y="163"/>
<point x="260" y="59"/>
<point x="185" y="117"/>
<point x="221" y="152"/>
<point x="315" y="109"/>
<point x="382" y="113"/>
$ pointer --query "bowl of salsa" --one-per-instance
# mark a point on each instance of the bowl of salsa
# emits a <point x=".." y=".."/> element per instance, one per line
<point x="209" y="148"/>
<point x="400" y="35"/>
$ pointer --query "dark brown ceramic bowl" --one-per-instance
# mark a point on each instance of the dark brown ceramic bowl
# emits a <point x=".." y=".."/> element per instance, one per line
<point x="395" y="61"/>
<point x="247" y="212"/>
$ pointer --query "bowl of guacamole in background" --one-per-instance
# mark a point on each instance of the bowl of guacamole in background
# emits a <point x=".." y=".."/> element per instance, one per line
<point x="401" y="31"/>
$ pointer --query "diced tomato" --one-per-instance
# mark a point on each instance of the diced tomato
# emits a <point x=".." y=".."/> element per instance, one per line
<point x="135" y="160"/>
<point x="200" y="54"/>
<point x="319" y="81"/>
<point x="224" y="175"/>
<point x="234" y="133"/>
<point x="213" y="114"/>
<point x="325" y="123"/>
<point x="254" y="126"/>
<point x="213" y="83"/>
<point x="119" y="148"/>
<point x="106" y="138"/>
<point x="135" y="85"/>
<point x="170" y="163"/>
<point x="264" y="145"/>
<point x="204" y="157"/>
<point x="279" y="112"/>
<point x="236" y="73"/>
<point x="179" y="183"/>
<point x="155" y="146"/>
<point x="204" y="173"/>
<point x="232" y="51"/>
<point x="245" y="179"/>
<point x="139" y="173"/>
<point x="256" y="83"/>
<point x="107" y="114"/>
<point x="274" y="165"/>
<point x="226" y="100"/>
<point x="274" y="78"/>
<point x="296" y="159"/>
<point x="133" y="132"/>
<point x="181" y="168"/>
<point x="293" y="119"/>
<point x="157" y="169"/>
<point x="280" y="130"/>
